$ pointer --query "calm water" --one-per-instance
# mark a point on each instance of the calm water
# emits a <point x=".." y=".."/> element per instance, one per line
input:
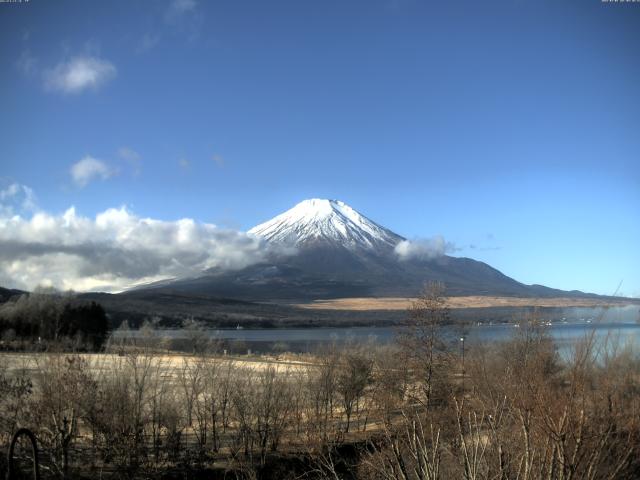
<point x="619" y="324"/>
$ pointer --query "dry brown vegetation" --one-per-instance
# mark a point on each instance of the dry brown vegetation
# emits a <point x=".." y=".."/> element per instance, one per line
<point x="513" y="410"/>
<point x="398" y="303"/>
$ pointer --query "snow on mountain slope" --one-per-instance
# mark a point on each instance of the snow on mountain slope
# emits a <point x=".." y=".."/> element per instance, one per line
<point x="326" y="221"/>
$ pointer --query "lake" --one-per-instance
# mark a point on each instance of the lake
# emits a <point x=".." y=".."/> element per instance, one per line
<point x="618" y="323"/>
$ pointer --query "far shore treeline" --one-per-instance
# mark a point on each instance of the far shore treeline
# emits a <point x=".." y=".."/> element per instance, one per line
<point x="46" y="317"/>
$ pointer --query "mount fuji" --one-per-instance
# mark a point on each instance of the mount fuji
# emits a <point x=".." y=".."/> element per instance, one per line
<point x="323" y="249"/>
<point x="326" y="221"/>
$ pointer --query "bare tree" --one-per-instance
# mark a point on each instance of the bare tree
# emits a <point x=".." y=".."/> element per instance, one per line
<point x="354" y="376"/>
<point x="407" y="451"/>
<point x="15" y="390"/>
<point x="190" y="378"/>
<point x="272" y="409"/>
<point x="422" y="341"/>
<point x="62" y="382"/>
<point x="321" y="388"/>
<point x="390" y="382"/>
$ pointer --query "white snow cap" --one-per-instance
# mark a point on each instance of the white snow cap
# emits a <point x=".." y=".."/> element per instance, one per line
<point x="327" y="220"/>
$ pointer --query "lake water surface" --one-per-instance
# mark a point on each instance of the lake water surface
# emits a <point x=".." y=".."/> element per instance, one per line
<point x="619" y="325"/>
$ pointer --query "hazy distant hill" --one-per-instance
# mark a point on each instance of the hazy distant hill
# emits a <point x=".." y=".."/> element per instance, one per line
<point x="6" y="294"/>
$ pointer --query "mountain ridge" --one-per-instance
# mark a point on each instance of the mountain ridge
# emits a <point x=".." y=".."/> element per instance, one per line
<point x="341" y="253"/>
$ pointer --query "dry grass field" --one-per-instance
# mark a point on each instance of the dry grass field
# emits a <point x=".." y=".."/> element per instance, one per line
<point x="398" y="303"/>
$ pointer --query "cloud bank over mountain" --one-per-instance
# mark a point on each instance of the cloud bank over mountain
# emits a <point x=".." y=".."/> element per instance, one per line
<point x="115" y="250"/>
<point x="118" y="249"/>
<point x="331" y="251"/>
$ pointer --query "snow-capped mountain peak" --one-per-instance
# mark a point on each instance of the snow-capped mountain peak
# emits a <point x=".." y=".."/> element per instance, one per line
<point x="320" y="220"/>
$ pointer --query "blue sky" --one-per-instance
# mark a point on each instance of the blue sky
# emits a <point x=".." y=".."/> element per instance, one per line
<point x="512" y="128"/>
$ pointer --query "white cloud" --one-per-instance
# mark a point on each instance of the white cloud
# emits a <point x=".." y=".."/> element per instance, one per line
<point x="79" y="74"/>
<point x="89" y="169"/>
<point x="16" y="198"/>
<point x="424" y="249"/>
<point x="115" y="250"/>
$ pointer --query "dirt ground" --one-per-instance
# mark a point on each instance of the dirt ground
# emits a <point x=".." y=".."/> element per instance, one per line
<point x="170" y="363"/>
